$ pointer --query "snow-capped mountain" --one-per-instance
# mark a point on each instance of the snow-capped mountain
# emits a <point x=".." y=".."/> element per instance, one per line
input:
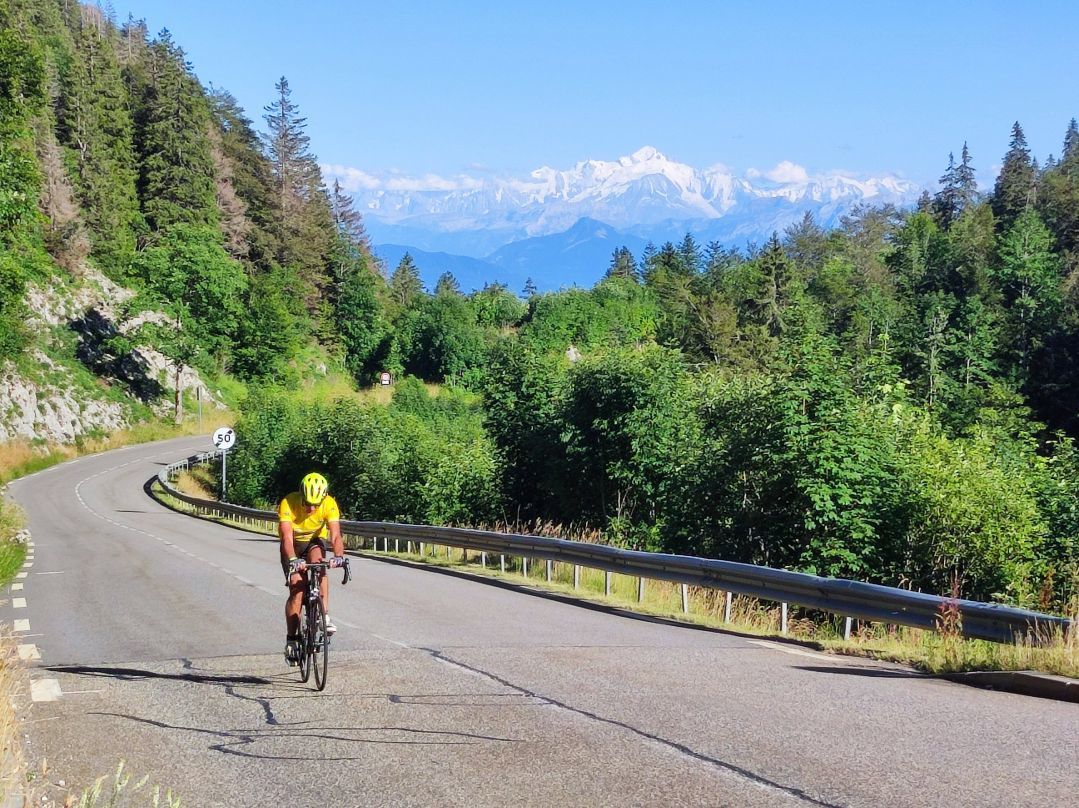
<point x="639" y="193"/>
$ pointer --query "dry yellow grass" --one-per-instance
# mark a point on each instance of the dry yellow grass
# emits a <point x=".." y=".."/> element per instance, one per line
<point x="13" y="686"/>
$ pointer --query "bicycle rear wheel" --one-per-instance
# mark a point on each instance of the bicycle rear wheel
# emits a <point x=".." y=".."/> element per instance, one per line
<point x="320" y="646"/>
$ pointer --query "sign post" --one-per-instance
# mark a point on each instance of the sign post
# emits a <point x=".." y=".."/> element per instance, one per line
<point x="224" y="439"/>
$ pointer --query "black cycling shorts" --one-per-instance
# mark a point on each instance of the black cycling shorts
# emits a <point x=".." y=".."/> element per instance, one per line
<point x="302" y="548"/>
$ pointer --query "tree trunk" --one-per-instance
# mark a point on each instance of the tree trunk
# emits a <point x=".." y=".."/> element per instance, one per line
<point x="178" y="400"/>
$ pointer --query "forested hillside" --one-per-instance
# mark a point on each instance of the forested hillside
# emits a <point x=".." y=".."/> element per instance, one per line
<point x="124" y="182"/>
<point x="894" y="399"/>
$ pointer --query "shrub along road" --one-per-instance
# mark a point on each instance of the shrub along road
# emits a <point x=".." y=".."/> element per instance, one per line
<point x="160" y="642"/>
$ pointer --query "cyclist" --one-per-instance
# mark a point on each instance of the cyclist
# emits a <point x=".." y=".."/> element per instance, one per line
<point x="305" y="517"/>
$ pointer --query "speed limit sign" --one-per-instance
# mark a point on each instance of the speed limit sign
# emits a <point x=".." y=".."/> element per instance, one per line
<point x="224" y="438"/>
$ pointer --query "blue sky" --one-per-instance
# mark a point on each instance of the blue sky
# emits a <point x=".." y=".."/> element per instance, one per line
<point x="451" y="87"/>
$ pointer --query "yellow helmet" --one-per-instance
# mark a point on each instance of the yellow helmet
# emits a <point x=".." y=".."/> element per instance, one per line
<point x="314" y="487"/>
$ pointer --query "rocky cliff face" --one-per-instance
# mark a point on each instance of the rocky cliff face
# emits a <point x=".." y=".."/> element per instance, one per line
<point x="54" y="410"/>
<point x="52" y="398"/>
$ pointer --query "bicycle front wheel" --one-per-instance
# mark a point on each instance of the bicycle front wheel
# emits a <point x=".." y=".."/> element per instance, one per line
<point x="320" y="646"/>
<point x="305" y="647"/>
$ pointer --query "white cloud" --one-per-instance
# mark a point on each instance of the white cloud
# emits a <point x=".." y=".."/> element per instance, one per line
<point x="352" y="179"/>
<point x="786" y="172"/>
<point x="355" y="179"/>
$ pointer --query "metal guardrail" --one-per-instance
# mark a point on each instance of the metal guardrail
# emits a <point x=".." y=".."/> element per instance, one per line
<point x="851" y="599"/>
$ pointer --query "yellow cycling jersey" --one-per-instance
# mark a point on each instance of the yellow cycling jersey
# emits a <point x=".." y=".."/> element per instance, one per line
<point x="313" y="525"/>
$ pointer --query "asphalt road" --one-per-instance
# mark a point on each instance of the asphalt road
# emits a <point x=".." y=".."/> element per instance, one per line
<point x="160" y="641"/>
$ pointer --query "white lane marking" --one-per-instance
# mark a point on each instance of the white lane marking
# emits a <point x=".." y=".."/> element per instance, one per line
<point x="54" y="572"/>
<point x="27" y="565"/>
<point x="28" y="651"/>
<point x="22" y="574"/>
<point x="786" y="649"/>
<point x="45" y="690"/>
<point x="80" y="692"/>
<point x="20" y="625"/>
<point x="379" y="636"/>
<point x="17" y="587"/>
<point x="18" y="603"/>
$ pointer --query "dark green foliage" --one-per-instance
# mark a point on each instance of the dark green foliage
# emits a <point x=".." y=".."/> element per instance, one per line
<point x="176" y="180"/>
<point x="419" y="460"/>
<point x="94" y="123"/>
<point x="448" y="341"/>
<point x="191" y="275"/>
<point x="22" y="92"/>
<point x="268" y="333"/>
<point x="361" y="321"/>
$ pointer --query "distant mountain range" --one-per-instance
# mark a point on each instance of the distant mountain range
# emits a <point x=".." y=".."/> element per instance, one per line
<point x="559" y="227"/>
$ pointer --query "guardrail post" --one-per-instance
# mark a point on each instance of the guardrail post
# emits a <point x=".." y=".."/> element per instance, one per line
<point x="421" y="548"/>
<point x="397" y="545"/>
<point x="607" y="583"/>
<point x="550" y="566"/>
<point x="685" y="599"/>
<point x="576" y="576"/>
<point x="727" y="608"/>
<point x="783" y="618"/>
<point x="483" y="559"/>
<point x="846" y="627"/>
<point x="524" y="566"/>
<point x="502" y="563"/>
<point x="640" y="589"/>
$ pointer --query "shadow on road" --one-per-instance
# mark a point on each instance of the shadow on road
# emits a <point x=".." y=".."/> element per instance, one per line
<point x="232" y="742"/>
<point x="130" y="674"/>
<point x="877" y="673"/>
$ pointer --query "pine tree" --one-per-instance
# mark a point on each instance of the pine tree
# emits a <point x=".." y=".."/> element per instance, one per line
<point x="622" y="265"/>
<point x="177" y="178"/>
<point x="348" y="220"/>
<point x="529" y="288"/>
<point x="95" y="126"/>
<point x="447" y="285"/>
<point x="966" y="181"/>
<point x="1071" y="142"/>
<point x="288" y="147"/>
<point x="1014" y="191"/>
<point x="406" y="288"/>
<point x="946" y="200"/>
<point x="305" y="212"/>
<point x="251" y="177"/>
<point x="958" y="189"/>
<point x="648" y="257"/>
<point x="690" y="254"/>
<point x="1028" y="275"/>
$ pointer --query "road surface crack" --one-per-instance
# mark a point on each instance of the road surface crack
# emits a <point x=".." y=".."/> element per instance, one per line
<point x="682" y="749"/>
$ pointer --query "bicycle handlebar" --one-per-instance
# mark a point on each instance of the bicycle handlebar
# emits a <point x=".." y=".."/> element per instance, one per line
<point x="318" y="565"/>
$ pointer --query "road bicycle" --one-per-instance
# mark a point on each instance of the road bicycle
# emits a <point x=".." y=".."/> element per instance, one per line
<point x="314" y="641"/>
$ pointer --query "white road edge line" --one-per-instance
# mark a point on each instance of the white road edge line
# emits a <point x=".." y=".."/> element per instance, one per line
<point x="20" y="626"/>
<point x="786" y="649"/>
<point x="45" y="690"/>
<point x="18" y="603"/>
<point x="28" y="652"/>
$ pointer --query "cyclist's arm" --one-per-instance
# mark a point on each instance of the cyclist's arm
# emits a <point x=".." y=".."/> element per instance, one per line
<point x="284" y="530"/>
<point x="335" y="538"/>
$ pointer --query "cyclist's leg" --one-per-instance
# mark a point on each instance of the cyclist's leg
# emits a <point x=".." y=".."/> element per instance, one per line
<point x="315" y="554"/>
<point x="295" y="593"/>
